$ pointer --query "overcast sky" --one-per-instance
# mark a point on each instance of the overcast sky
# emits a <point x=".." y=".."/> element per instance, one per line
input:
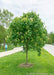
<point x="45" y="8"/>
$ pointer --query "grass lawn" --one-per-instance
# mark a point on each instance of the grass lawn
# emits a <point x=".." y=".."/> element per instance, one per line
<point x="9" y="65"/>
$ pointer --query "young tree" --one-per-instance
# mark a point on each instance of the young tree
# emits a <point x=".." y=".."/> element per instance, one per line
<point x="5" y="17"/>
<point x="28" y="30"/>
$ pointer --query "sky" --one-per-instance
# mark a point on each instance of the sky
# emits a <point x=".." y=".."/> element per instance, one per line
<point x="45" y="9"/>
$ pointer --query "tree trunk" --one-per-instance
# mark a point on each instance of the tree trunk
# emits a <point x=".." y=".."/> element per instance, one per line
<point x="4" y="43"/>
<point x="26" y="54"/>
<point x="0" y="45"/>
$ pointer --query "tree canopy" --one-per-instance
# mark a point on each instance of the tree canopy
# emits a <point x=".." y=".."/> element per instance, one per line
<point x="5" y="17"/>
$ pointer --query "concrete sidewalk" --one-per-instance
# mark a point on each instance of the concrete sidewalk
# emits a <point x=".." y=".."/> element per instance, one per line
<point x="17" y="49"/>
<point x="49" y="48"/>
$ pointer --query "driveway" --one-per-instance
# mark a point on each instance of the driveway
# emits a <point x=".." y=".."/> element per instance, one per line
<point x="49" y="48"/>
<point x="17" y="49"/>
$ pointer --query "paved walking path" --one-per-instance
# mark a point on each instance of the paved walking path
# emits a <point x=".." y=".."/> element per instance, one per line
<point x="17" y="49"/>
<point x="49" y="48"/>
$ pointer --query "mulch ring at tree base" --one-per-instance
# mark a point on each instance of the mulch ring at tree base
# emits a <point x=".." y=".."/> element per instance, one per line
<point x="25" y="65"/>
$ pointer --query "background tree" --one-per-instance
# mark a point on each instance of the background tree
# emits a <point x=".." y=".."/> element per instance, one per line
<point x="28" y="30"/>
<point x="51" y="38"/>
<point x="5" y="17"/>
<point x="2" y="34"/>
